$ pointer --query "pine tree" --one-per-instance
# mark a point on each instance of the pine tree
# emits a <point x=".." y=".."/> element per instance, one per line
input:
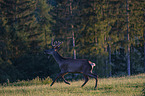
<point x="18" y="23"/>
<point x="65" y="13"/>
<point x="44" y="21"/>
<point x="136" y="30"/>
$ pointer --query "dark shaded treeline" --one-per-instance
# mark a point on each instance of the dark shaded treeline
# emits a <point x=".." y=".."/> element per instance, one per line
<point x="96" y="30"/>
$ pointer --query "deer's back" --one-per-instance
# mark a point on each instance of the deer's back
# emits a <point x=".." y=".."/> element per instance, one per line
<point x="75" y="65"/>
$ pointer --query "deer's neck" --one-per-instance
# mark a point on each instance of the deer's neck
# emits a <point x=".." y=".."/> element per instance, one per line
<point x="57" y="57"/>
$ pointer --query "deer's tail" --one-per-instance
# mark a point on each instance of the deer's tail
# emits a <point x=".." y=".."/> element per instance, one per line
<point x="92" y="64"/>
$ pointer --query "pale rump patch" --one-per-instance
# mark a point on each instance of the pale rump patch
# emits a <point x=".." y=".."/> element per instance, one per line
<point x="92" y="64"/>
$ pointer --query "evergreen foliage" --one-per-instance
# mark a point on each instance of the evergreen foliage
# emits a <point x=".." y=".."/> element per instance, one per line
<point x="99" y="27"/>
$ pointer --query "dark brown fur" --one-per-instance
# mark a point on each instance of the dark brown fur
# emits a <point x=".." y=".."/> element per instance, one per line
<point x="68" y="65"/>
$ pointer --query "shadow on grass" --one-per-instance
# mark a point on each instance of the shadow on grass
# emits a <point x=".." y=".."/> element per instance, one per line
<point x="107" y="88"/>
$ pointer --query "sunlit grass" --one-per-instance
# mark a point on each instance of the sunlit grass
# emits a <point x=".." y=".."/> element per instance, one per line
<point x="123" y="86"/>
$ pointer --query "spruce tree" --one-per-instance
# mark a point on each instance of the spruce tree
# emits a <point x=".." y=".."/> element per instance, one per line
<point x="44" y="21"/>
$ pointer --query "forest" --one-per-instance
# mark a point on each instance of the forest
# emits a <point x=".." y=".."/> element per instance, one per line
<point x="109" y="33"/>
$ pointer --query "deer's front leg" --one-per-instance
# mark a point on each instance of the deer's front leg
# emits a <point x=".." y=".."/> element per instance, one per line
<point x="59" y="75"/>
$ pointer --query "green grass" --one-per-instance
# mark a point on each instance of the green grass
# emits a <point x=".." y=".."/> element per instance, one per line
<point x="123" y="86"/>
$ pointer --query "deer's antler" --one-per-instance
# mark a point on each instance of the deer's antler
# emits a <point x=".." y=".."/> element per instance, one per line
<point x="56" y="44"/>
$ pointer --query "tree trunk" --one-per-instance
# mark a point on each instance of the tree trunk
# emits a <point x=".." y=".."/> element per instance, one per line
<point x="45" y="40"/>
<point x="72" y="27"/>
<point x="144" y="41"/>
<point x="110" y="73"/>
<point x="128" y="47"/>
<point x="74" y="50"/>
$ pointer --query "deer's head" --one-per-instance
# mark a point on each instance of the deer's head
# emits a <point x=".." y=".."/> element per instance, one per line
<point x="54" y="48"/>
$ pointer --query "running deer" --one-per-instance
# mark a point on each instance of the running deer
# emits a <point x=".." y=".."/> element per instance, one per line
<point x="68" y="65"/>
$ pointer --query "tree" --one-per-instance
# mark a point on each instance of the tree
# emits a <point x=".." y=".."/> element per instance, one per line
<point x="18" y="23"/>
<point x="136" y="33"/>
<point x="44" y="21"/>
<point x="72" y="30"/>
<point x="128" y="47"/>
<point x="65" y="29"/>
<point x="144" y="41"/>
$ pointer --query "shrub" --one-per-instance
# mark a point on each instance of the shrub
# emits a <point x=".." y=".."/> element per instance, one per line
<point x="36" y="81"/>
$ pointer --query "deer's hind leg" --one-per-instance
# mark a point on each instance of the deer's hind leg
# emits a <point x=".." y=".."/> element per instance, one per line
<point x="65" y="80"/>
<point x="94" y="76"/>
<point x="86" y="79"/>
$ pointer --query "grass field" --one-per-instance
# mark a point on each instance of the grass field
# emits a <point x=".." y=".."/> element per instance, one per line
<point x="123" y="86"/>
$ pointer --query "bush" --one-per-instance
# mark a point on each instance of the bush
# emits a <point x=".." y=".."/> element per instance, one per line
<point x="36" y="81"/>
<point x="8" y="72"/>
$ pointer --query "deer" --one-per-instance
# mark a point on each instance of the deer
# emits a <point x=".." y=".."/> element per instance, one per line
<point x="69" y="65"/>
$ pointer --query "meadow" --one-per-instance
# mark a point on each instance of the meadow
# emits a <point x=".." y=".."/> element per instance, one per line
<point x="115" y="86"/>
